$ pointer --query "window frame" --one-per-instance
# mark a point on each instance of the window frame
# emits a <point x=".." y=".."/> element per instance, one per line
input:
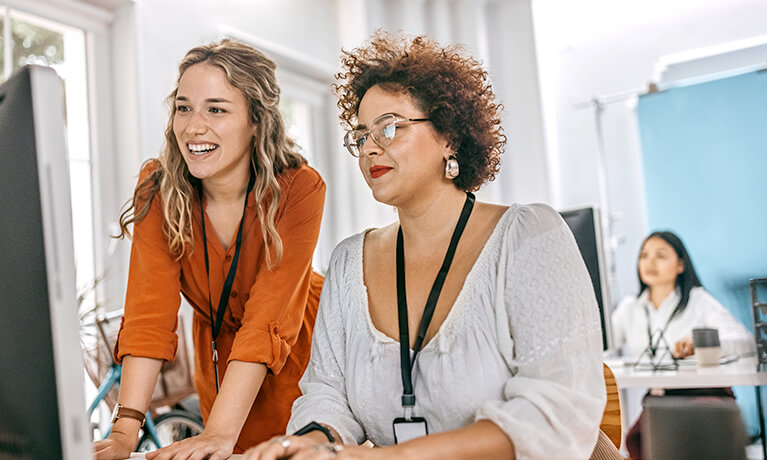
<point x="307" y="80"/>
<point x="111" y="151"/>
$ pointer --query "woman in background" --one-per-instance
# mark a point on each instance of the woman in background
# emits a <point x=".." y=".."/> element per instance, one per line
<point x="228" y="216"/>
<point x="464" y="330"/>
<point x="672" y="300"/>
<point x="671" y="303"/>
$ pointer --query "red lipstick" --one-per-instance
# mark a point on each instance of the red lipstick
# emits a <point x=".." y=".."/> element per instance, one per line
<point x="378" y="171"/>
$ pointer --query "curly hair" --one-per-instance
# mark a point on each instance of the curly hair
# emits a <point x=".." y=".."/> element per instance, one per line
<point x="272" y="151"/>
<point x="449" y="86"/>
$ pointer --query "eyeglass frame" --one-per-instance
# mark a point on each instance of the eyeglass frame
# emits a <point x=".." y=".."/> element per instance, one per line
<point x="350" y="147"/>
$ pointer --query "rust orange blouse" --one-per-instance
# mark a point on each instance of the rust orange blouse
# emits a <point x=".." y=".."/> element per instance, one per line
<point x="270" y="315"/>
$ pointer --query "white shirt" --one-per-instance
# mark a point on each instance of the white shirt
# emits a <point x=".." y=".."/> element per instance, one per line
<point x="629" y="322"/>
<point x="521" y="347"/>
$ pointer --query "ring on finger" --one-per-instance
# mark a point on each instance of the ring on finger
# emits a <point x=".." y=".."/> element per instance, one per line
<point x="284" y="442"/>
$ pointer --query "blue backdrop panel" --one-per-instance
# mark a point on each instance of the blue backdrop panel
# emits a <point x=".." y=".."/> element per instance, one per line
<point x="704" y="150"/>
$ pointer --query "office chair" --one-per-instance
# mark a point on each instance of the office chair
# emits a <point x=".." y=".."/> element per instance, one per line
<point x="699" y="428"/>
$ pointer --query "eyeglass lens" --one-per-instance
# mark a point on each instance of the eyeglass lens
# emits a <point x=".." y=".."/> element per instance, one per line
<point x="382" y="130"/>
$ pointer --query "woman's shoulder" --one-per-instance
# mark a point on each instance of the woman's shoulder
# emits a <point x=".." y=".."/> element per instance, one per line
<point x="348" y="250"/>
<point x="626" y="313"/>
<point x="535" y="216"/>
<point x="147" y="186"/>
<point x="301" y="190"/>
<point x="378" y="239"/>
<point x="303" y="176"/>
<point x="700" y="297"/>
<point x="627" y="303"/>
<point x="526" y="221"/>
<point x="149" y="167"/>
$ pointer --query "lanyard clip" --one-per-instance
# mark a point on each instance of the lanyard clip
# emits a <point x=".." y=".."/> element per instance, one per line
<point x="408" y="401"/>
<point x="215" y="352"/>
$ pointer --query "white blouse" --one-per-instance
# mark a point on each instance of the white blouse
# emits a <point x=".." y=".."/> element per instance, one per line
<point x="630" y="322"/>
<point x="521" y="347"/>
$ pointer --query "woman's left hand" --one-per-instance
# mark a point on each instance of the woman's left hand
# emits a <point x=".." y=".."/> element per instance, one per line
<point x="684" y="347"/>
<point x="207" y="445"/>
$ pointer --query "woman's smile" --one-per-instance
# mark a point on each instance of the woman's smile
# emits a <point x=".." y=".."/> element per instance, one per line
<point x="201" y="150"/>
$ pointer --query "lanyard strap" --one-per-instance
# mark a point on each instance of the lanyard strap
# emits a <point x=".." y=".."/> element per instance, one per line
<point x="224" y="299"/>
<point x="654" y="346"/>
<point x="406" y="365"/>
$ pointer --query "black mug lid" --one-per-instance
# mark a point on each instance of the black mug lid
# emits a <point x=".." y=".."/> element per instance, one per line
<point x="705" y="337"/>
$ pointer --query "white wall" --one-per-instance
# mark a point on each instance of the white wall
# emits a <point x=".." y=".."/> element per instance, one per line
<point x="155" y="35"/>
<point x="316" y="29"/>
<point x="601" y="47"/>
<point x="576" y="51"/>
<point x="167" y="29"/>
<point x="500" y="34"/>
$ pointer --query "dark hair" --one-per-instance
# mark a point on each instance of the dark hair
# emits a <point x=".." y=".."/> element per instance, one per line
<point x="686" y="280"/>
<point x="449" y="86"/>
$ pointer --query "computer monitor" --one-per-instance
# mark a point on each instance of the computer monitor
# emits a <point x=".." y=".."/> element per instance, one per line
<point x="42" y="402"/>
<point x="586" y="227"/>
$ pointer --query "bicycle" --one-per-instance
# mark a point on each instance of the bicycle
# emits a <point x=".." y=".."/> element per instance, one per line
<point x="181" y="422"/>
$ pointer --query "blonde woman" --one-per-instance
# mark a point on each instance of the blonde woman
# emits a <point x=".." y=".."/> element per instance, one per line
<point x="228" y="216"/>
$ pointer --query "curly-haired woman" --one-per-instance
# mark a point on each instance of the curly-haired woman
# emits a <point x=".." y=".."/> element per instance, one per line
<point x="500" y="356"/>
<point x="228" y="216"/>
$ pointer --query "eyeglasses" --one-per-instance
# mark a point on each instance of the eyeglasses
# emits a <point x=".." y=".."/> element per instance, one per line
<point x="382" y="130"/>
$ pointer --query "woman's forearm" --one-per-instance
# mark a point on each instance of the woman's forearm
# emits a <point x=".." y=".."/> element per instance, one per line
<point x="239" y="389"/>
<point x="480" y="440"/>
<point x="137" y="382"/>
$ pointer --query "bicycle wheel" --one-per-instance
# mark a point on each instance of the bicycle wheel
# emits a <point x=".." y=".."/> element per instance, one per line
<point x="171" y="427"/>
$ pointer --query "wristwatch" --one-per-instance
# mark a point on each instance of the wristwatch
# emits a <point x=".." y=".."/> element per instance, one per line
<point x="314" y="426"/>
<point x="122" y="411"/>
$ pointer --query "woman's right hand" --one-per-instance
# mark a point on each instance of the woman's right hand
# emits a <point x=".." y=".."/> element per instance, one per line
<point x="116" y="447"/>
<point x="684" y="347"/>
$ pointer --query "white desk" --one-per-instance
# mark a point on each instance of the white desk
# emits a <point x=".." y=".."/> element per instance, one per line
<point x="738" y="373"/>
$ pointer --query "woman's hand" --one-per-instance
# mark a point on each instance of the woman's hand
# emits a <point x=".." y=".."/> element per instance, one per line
<point x="684" y="347"/>
<point x="208" y="445"/>
<point x="284" y="447"/>
<point x="313" y="448"/>
<point x="116" y="447"/>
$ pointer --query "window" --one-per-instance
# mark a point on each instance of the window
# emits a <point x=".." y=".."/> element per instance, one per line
<point x="298" y="124"/>
<point x="2" y="44"/>
<point x="33" y="43"/>
<point x="31" y="40"/>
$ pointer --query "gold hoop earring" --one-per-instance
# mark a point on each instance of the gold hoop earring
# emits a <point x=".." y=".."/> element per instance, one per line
<point x="451" y="168"/>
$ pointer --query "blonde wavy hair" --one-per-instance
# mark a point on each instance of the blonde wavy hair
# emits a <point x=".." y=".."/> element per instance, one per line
<point x="251" y="72"/>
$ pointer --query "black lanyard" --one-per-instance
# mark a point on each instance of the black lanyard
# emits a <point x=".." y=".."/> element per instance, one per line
<point x="408" y="396"/>
<point x="654" y="346"/>
<point x="224" y="300"/>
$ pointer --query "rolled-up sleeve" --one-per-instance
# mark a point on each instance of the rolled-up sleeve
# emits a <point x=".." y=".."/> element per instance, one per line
<point x="274" y="312"/>
<point x="153" y="295"/>
<point x="550" y="333"/>
<point x="323" y="385"/>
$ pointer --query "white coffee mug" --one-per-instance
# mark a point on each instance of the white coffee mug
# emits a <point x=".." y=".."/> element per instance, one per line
<point x="707" y="346"/>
